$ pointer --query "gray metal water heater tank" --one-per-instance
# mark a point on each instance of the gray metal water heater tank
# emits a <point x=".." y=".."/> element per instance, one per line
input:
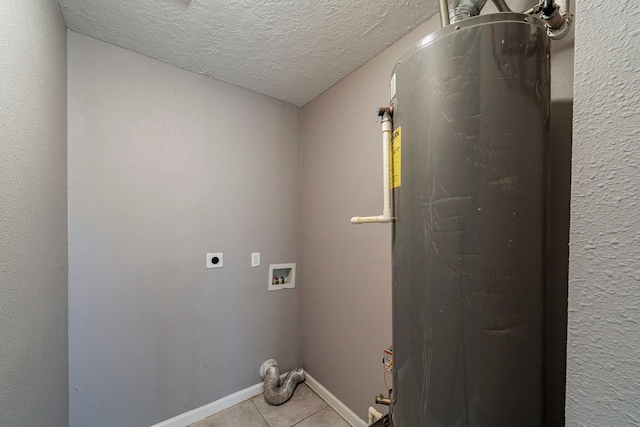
<point x="470" y="141"/>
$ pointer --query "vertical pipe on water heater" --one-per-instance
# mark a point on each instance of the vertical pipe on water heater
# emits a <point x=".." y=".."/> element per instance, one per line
<point x="565" y="6"/>
<point x="444" y="12"/>
<point x="386" y="147"/>
<point x="502" y="5"/>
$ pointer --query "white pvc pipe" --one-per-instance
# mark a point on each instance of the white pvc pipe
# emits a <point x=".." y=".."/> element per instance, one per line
<point x="387" y="128"/>
<point x="386" y="208"/>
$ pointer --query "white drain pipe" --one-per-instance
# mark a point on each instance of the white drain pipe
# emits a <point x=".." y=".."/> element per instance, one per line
<point x="386" y="194"/>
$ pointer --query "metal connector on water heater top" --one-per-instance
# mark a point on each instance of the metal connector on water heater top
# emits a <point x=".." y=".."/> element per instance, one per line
<point x="381" y="111"/>
<point x="558" y="21"/>
<point x="557" y="17"/>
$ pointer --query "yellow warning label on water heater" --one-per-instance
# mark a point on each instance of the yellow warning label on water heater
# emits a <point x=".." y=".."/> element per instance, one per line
<point x="395" y="160"/>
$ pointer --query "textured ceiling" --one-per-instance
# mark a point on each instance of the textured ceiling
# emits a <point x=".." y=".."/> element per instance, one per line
<point x="291" y="50"/>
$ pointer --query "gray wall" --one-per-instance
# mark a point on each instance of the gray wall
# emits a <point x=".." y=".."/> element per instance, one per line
<point x="603" y="386"/>
<point x="153" y="334"/>
<point x="33" y="215"/>
<point x="346" y="301"/>
<point x="164" y="166"/>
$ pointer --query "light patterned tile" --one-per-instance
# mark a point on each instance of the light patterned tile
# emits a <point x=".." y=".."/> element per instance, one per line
<point x="244" y="414"/>
<point x="302" y="405"/>
<point x="326" y="417"/>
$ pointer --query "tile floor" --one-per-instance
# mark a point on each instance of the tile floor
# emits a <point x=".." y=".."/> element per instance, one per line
<point x="304" y="409"/>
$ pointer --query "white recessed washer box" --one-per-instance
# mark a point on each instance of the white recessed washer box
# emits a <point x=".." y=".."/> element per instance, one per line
<point x="282" y="276"/>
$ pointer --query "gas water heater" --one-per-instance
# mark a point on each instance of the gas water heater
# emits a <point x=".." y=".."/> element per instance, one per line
<point x="465" y="147"/>
<point x="470" y="138"/>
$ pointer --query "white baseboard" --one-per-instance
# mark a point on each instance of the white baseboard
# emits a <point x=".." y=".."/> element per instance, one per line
<point x="205" y="411"/>
<point x="336" y="404"/>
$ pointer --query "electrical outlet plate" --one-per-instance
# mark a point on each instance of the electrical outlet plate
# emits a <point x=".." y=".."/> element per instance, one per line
<point x="215" y="260"/>
<point x="255" y="259"/>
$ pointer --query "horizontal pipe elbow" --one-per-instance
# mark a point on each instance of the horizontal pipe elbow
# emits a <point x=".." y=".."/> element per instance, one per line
<point x="380" y="219"/>
<point x="384" y="219"/>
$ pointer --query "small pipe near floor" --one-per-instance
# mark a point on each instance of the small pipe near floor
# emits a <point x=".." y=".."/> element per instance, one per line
<point x="374" y="415"/>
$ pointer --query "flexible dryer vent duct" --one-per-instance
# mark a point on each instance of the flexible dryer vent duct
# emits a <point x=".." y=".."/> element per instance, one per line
<point x="274" y="394"/>
<point x="463" y="9"/>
